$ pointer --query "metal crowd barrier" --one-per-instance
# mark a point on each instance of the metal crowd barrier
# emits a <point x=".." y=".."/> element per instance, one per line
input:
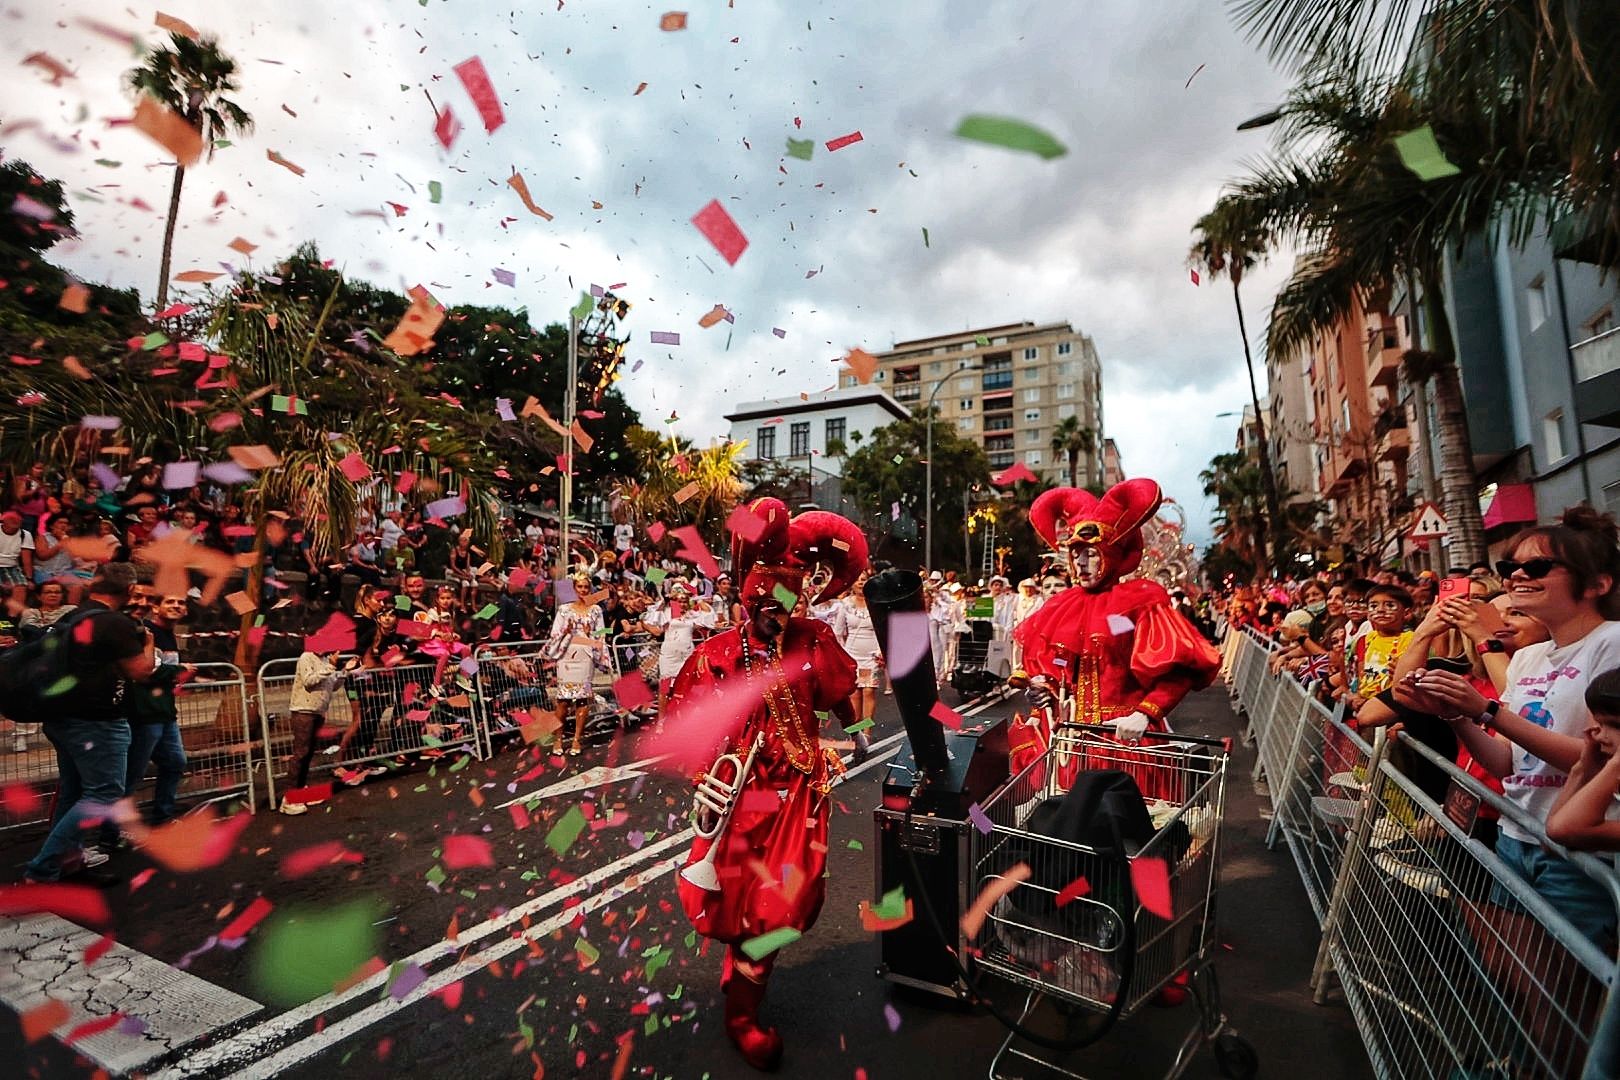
<point x="1453" y="965"/>
<point x="513" y="678"/>
<point x="629" y="650"/>
<point x="411" y="709"/>
<point x="213" y="717"/>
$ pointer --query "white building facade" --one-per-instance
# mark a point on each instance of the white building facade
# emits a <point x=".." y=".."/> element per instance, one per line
<point x="813" y="431"/>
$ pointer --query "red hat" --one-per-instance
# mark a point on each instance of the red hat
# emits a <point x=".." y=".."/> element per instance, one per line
<point x="1112" y="524"/>
<point x="771" y="549"/>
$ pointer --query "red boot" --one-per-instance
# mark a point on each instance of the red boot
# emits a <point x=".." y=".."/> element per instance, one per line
<point x="761" y="1047"/>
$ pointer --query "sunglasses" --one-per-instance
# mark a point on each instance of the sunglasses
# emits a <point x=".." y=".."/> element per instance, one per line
<point x="1534" y="569"/>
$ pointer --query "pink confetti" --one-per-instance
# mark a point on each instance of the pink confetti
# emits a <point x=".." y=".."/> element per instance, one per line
<point x="715" y="224"/>
<point x="892" y="1016"/>
<point x="665" y="337"/>
<point x="844" y="140"/>
<point x="980" y="819"/>
<point x="946" y="715"/>
<point x="482" y="91"/>
<point x="461" y="851"/>
<point x="1151" y="879"/>
<point x="779" y="332"/>
<point x="447" y="127"/>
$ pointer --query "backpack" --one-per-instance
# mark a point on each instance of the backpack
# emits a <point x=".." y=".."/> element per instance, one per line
<point x="28" y="670"/>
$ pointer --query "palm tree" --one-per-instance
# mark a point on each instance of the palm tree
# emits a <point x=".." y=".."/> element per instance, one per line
<point x="1231" y="243"/>
<point x="1234" y="482"/>
<point x="710" y="479"/>
<point x="190" y="77"/>
<point x="1071" y="439"/>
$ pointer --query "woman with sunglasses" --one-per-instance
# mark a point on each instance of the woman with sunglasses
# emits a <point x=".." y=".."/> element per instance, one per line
<point x="1564" y="576"/>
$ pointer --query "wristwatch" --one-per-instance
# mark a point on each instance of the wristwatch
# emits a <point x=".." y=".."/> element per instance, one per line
<point x="1490" y="645"/>
<point x="1487" y="719"/>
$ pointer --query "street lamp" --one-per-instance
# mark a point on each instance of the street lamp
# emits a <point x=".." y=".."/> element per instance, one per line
<point x="928" y="462"/>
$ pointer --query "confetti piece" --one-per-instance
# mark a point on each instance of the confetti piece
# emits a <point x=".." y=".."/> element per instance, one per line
<point x="1120" y="624"/>
<point x="406" y="981"/>
<point x="253" y="457"/>
<point x="803" y="149"/>
<point x="1011" y="134"/>
<point x="174" y="25"/>
<point x="1194" y="275"/>
<point x="75" y="298"/>
<point x="415" y="331"/>
<point x="54" y="70"/>
<point x="179" y="475"/>
<point x="354" y="467"/>
<point x="765" y="944"/>
<point x="197" y="277"/>
<point x="779" y="332"/>
<point x="859" y="725"/>
<point x="588" y="953"/>
<point x="1013" y="474"/>
<point x="252" y="916"/>
<point x="435" y="191"/>
<point x="891" y="1016"/>
<point x="874" y="922"/>
<point x="946" y="715"/>
<point x="446" y="127"/>
<point x="673" y="20"/>
<point x="785" y="596"/>
<point x="82" y="904"/>
<point x="462" y="851"/>
<point x="1151" y="879"/>
<point x="98" y="948"/>
<point x="980" y="819"/>
<point x="721" y="231"/>
<point x="169" y="130"/>
<point x="566" y="831"/>
<point x="100" y="423"/>
<point x="504" y="277"/>
<point x="665" y="337"/>
<point x="445" y="508"/>
<point x="242" y="246"/>
<point x="1073" y="891"/>
<point x="993" y="892"/>
<point x="1421" y="153"/>
<point x="631" y="691"/>
<point x="307" y="860"/>
<point x="305" y="952"/>
<point x="714" y="315"/>
<point x="44" y="1018"/>
<point x="482" y="91"/>
<point x="639" y="88"/>
<point x="515" y="181"/>
<point x="694" y="550"/>
<point x="284" y="163"/>
<point x="862" y="363"/>
<point x="843" y="141"/>
<point x="925" y="236"/>
<point x="95" y="1027"/>
<point x="193" y="842"/>
<point x="892" y="905"/>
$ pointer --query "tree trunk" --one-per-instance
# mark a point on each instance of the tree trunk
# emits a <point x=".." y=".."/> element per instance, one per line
<point x="1267" y="477"/>
<point x="1074" y="463"/>
<point x="168" y="237"/>
<point x="1459" y="486"/>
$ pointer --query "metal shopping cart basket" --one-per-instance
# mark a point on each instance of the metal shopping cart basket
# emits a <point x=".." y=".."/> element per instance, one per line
<point x="983" y="662"/>
<point x="1077" y="932"/>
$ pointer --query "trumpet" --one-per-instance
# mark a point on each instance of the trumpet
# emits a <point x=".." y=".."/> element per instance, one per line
<point x="712" y="806"/>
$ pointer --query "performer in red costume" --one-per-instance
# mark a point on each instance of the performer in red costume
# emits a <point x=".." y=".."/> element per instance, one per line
<point x="1124" y="654"/>
<point x="771" y="676"/>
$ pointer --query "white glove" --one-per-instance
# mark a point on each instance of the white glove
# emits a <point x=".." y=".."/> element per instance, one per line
<point x="1130" y="729"/>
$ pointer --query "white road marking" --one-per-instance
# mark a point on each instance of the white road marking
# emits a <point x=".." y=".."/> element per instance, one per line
<point x="261" y="1036"/>
<point x="42" y="957"/>
<point x="590" y="778"/>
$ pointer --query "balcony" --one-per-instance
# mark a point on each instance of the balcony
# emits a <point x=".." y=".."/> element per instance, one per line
<point x="1394" y="440"/>
<point x="907" y="392"/>
<point x="1384" y="355"/>
<point x="1597" y="379"/>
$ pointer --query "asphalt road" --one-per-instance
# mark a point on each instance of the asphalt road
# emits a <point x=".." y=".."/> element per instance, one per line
<point x="580" y="963"/>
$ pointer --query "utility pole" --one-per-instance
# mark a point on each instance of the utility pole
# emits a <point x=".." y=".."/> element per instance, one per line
<point x="570" y="402"/>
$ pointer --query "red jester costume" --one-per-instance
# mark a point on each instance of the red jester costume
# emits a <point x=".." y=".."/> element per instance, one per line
<point x="1119" y="649"/>
<point x="767" y="680"/>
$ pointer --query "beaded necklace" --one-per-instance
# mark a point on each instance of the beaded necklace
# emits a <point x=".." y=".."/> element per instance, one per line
<point x="780" y="705"/>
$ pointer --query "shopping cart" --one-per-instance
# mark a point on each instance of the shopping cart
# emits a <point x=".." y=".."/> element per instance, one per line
<point x="1074" y="931"/>
<point x="983" y="662"/>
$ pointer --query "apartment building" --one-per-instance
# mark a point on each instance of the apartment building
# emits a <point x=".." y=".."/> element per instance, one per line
<point x="812" y="431"/>
<point x="1113" y="469"/>
<point x="1007" y="387"/>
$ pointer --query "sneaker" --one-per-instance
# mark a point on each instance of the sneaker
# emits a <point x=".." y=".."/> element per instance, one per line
<point x="350" y="777"/>
<point x="293" y="809"/>
<point x="19" y="745"/>
<point x="376" y="770"/>
<point x="334" y="748"/>
<point x="93" y="856"/>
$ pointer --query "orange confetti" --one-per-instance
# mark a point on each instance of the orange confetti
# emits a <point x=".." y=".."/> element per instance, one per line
<point x="77" y="368"/>
<point x="243" y="246"/>
<point x="197" y="277"/>
<point x="75" y="298"/>
<point x="193" y="842"/>
<point x="687" y="492"/>
<point x="862" y="363"/>
<point x="174" y="25"/>
<point x="415" y="331"/>
<point x="44" y="1018"/>
<point x="59" y="71"/>
<point x="582" y="438"/>
<point x="284" y="163"/>
<point x="714" y="315"/>
<point x="169" y="130"/>
<point x="993" y="892"/>
<point x="673" y="20"/>
<point x="251" y="457"/>
<point x="639" y="89"/>
<point x="515" y="181"/>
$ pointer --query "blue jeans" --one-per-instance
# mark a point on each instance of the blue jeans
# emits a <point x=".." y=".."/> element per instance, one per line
<point x="159" y="743"/>
<point x="92" y="758"/>
<point x="1585" y="903"/>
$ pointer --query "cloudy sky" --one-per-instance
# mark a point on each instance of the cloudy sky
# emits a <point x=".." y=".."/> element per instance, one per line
<point x="1097" y="238"/>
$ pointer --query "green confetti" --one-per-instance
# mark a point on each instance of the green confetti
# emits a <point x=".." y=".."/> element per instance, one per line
<point x="766" y="944"/>
<point x="893" y="904"/>
<point x="658" y="963"/>
<point x="402" y="602"/>
<point x="691" y="939"/>
<point x="1421" y="153"/>
<point x="488" y="611"/>
<point x="107" y="162"/>
<point x="860" y="726"/>
<point x="981" y="341"/>
<point x="898" y="458"/>
<point x="530" y="875"/>
<point x="650" y="1027"/>
<point x="801" y="148"/>
<point x="655" y="575"/>
<point x="60" y="686"/>
<point x="582" y="310"/>
<point x="785" y="596"/>
<point x="222" y="144"/>
<point x="304" y="952"/>
<point x="1011" y="134"/>
<point x="587" y="952"/>
<point x="154" y="340"/>
<point x="460" y="764"/>
<point x="856" y="845"/>
<point x="435" y="875"/>
<point x="435" y="191"/>
<point x="925" y="236"/>
<point x="566" y="831"/>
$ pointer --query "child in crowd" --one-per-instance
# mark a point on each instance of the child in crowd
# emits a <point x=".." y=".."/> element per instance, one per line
<point x="1587" y="812"/>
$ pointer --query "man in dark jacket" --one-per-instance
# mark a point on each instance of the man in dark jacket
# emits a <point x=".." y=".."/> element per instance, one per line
<point x="154" y="718"/>
<point x="105" y="653"/>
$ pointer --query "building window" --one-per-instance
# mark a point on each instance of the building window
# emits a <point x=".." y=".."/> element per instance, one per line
<point x="1065" y="411"/>
<point x="1065" y="390"/>
<point x="1031" y="395"/>
<point x="1065" y="348"/>
<point x="765" y="443"/>
<point x="799" y="439"/>
<point x="879" y="376"/>
<point x="965" y="424"/>
<point x="846" y="380"/>
<point x="993" y="443"/>
<point x="1030" y="354"/>
<point x="1065" y="369"/>
<point x="1552" y="434"/>
<point x="998" y="423"/>
<point x="837" y="429"/>
<point x="1535" y="302"/>
<point x="1033" y="436"/>
<point x="1032" y="458"/>
<point x="1001" y="459"/>
<point x="1032" y="416"/>
<point x="1611" y="497"/>
<point x="965" y="405"/>
<point x="936" y="368"/>
<point x="997" y="380"/>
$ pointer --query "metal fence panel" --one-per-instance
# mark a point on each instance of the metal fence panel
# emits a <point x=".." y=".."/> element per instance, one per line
<point x="513" y="678"/>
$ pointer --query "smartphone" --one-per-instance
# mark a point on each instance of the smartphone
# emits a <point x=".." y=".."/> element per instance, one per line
<point x="1455" y="665"/>
<point x="1453" y="586"/>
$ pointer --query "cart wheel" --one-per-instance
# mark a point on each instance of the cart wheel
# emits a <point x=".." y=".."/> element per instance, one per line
<point x="1235" y="1057"/>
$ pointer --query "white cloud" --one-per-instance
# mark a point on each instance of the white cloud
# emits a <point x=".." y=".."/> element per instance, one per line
<point x="1097" y="238"/>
